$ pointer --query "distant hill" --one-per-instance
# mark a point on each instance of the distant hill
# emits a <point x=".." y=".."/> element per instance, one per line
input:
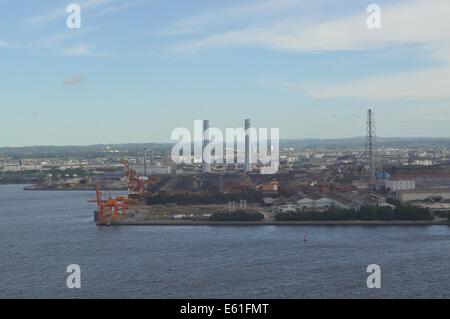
<point x="360" y="141"/>
<point x="88" y="151"/>
<point x="102" y="150"/>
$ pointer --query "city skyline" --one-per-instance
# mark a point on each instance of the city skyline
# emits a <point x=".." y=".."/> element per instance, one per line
<point x="136" y="70"/>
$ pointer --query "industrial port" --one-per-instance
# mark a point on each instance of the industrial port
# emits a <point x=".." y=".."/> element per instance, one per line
<point x="369" y="182"/>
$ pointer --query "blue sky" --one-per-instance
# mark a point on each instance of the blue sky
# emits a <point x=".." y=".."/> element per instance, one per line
<point x="137" y="69"/>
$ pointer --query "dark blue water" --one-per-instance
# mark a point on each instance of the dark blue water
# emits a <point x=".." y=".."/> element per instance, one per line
<point x="43" y="232"/>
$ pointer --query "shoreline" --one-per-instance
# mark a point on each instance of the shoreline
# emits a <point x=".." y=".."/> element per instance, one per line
<point x="275" y="223"/>
<point x="90" y="189"/>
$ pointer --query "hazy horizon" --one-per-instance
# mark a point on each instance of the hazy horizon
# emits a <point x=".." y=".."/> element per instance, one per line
<point x="383" y="139"/>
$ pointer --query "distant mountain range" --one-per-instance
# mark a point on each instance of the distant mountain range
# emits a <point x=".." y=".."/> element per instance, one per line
<point x="133" y="148"/>
<point x="360" y="141"/>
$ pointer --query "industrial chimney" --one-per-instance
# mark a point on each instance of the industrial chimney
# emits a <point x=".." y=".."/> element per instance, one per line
<point x="248" y="165"/>
<point x="206" y="166"/>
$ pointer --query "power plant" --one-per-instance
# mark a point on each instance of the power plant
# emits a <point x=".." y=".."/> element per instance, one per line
<point x="248" y="165"/>
<point x="310" y="179"/>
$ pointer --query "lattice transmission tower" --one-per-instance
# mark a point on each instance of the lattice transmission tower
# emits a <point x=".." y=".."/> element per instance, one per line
<point x="371" y="166"/>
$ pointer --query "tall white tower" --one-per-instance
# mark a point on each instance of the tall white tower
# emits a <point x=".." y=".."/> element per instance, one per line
<point x="248" y="165"/>
<point x="206" y="166"/>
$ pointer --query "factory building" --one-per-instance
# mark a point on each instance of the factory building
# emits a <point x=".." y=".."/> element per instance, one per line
<point x="322" y="204"/>
<point x="143" y="170"/>
<point x="395" y="185"/>
<point x="423" y="195"/>
<point x="20" y="167"/>
<point x="288" y="208"/>
<point x="271" y="187"/>
<point x="310" y="205"/>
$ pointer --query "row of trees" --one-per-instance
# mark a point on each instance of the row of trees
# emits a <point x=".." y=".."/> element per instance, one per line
<point x="367" y="213"/>
<point x="244" y="216"/>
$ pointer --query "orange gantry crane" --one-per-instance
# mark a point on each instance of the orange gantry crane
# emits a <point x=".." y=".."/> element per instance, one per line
<point x="114" y="207"/>
<point x="137" y="184"/>
<point x="111" y="207"/>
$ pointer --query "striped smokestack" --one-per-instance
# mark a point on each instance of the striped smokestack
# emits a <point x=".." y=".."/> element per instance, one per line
<point x="248" y="165"/>
<point x="206" y="166"/>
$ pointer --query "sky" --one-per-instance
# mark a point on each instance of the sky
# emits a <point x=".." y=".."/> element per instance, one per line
<point x="138" y="69"/>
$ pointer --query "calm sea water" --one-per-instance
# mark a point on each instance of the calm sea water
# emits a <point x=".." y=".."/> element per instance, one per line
<point x="43" y="232"/>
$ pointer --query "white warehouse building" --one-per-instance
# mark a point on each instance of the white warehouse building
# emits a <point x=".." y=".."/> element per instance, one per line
<point x="322" y="204"/>
<point x="396" y="185"/>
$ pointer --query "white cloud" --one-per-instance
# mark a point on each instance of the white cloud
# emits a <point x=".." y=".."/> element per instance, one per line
<point x="440" y="52"/>
<point x="51" y="41"/>
<point x="244" y="12"/>
<point x="79" y="50"/>
<point x="60" y="12"/>
<point x="423" y="84"/>
<point x="413" y="22"/>
<point x="420" y="23"/>
<point x="86" y="50"/>
<point x="73" y="80"/>
<point x="5" y="44"/>
<point x="119" y="7"/>
<point x="54" y="43"/>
